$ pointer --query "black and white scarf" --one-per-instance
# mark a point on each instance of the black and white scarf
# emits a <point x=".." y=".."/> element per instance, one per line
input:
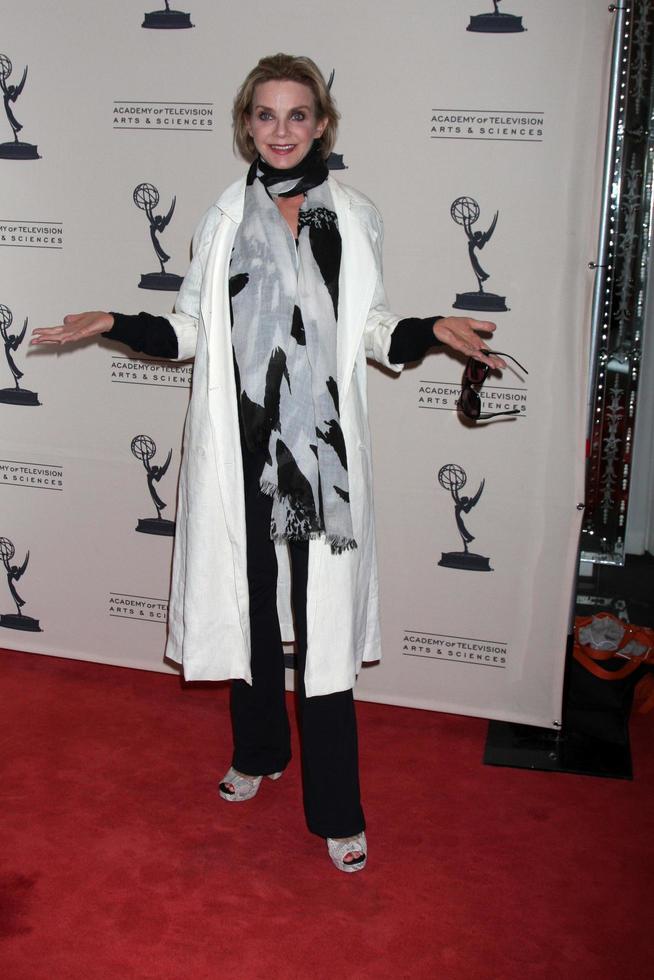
<point x="284" y="300"/>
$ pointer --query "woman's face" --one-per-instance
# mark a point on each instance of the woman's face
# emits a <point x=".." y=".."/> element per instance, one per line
<point x="283" y="122"/>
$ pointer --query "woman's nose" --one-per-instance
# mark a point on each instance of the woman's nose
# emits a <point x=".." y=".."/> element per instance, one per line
<point x="281" y="127"/>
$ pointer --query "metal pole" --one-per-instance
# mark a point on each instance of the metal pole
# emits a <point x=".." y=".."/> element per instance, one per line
<point x="609" y="190"/>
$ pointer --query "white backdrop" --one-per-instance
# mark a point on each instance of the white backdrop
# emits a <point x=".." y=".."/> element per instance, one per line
<point x="432" y="112"/>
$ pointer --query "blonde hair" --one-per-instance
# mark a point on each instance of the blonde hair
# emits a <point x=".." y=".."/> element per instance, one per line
<point x="283" y="67"/>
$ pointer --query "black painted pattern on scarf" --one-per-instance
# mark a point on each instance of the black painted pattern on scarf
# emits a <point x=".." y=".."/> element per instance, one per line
<point x="295" y="490"/>
<point x="326" y="246"/>
<point x="332" y="388"/>
<point x="260" y="420"/>
<point x="297" y="328"/>
<point x="333" y="436"/>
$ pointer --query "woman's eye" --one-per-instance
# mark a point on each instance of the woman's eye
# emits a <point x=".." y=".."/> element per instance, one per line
<point x="298" y="116"/>
<point x="264" y="116"/>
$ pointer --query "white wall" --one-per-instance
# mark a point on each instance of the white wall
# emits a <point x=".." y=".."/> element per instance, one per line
<point x="483" y="643"/>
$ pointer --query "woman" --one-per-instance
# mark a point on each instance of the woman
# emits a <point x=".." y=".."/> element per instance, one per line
<point x="281" y="305"/>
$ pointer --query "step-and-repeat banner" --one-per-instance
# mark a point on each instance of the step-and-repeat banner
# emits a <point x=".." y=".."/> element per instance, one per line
<point x="477" y="128"/>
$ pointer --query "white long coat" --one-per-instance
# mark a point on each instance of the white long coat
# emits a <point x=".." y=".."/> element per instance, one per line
<point x="209" y="629"/>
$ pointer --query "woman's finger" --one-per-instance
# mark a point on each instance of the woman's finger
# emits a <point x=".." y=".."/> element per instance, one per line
<point x="484" y="326"/>
<point x="463" y="334"/>
<point x="479" y="346"/>
<point x="492" y="360"/>
<point x="471" y="343"/>
<point x="55" y="335"/>
<point x="473" y="346"/>
<point x="46" y="335"/>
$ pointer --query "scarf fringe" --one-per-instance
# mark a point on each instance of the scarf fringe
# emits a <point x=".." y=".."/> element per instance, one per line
<point x="269" y="489"/>
<point x="337" y="542"/>
<point x="340" y="544"/>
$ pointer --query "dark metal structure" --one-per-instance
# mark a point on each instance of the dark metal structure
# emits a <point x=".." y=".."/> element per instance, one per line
<point x="621" y="283"/>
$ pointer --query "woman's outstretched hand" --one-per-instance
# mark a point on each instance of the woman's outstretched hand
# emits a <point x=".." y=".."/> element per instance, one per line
<point x="461" y="333"/>
<point x="76" y="326"/>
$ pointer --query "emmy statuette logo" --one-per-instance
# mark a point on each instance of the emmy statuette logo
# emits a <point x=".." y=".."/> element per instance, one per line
<point x="335" y="161"/>
<point x="146" y="197"/>
<point x="171" y="20"/>
<point x="453" y="478"/>
<point x="495" y="22"/>
<point x="17" y="620"/>
<point x="465" y="211"/>
<point x="16" y="149"/>
<point x="144" y="448"/>
<point x="12" y="341"/>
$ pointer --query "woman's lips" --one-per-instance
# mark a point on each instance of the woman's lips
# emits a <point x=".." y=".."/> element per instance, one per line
<point x="282" y="148"/>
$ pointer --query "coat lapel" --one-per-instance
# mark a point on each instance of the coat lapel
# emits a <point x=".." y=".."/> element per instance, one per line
<point x="216" y="314"/>
<point x="357" y="282"/>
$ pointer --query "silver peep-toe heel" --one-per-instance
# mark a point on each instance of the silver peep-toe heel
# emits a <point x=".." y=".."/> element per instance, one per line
<point x="245" y="787"/>
<point x="339" y="848"/>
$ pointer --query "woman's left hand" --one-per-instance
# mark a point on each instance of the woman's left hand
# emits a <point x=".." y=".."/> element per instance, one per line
<point x="461" y="333"/>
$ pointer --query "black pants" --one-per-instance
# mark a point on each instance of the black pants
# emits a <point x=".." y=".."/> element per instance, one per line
<point x="328" y="735"/>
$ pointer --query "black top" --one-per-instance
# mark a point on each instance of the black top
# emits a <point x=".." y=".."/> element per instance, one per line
<point x="154" y="336"/>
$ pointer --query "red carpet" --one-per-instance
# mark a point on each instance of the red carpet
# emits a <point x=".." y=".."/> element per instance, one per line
<point x="119" y="860"/>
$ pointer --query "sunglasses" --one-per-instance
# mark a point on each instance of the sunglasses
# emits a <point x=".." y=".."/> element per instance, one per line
<point x="475" y="374"/>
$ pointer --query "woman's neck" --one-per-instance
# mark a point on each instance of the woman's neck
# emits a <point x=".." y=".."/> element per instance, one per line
<point x="289" y="208"/>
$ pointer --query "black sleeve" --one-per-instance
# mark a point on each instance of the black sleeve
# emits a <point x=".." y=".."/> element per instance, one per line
<point x="412" y="338"/>
<point x="147" y="334"/>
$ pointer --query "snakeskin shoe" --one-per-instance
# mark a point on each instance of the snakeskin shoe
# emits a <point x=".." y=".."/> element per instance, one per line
<point x="245" y="787"/>
<point x="339" y="848"/>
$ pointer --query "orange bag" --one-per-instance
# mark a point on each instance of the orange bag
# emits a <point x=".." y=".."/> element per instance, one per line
<point x="600" y="639"/>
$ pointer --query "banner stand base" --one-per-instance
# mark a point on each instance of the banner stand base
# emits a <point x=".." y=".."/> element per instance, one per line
<point x="528" y="747"/>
